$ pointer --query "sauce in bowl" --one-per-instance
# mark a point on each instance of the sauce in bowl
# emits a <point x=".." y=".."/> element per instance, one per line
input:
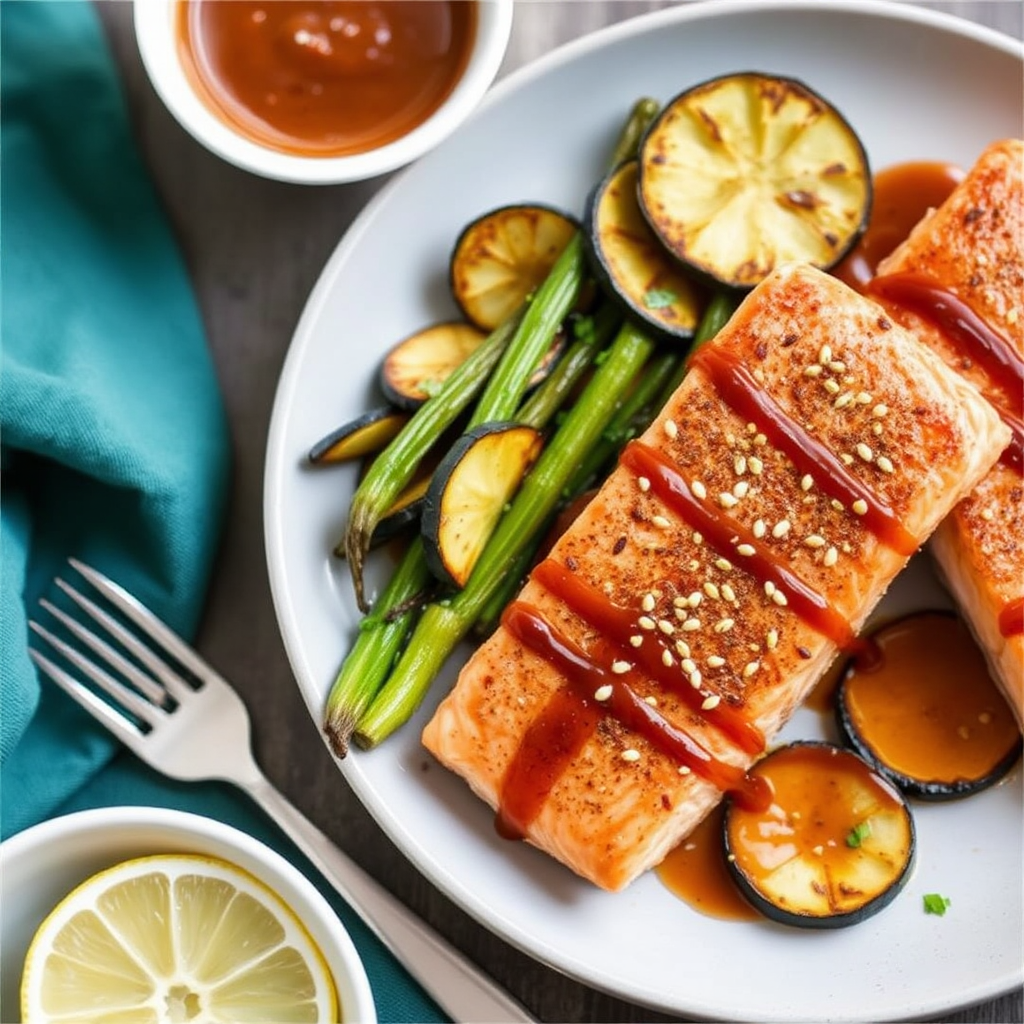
<point x="325" y="77"/>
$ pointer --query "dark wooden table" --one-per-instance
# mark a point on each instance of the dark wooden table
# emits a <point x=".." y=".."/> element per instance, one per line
<point x="254" y="249"/>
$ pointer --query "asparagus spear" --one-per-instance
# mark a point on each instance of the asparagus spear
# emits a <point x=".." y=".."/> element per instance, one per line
<point x="443" y="624"/>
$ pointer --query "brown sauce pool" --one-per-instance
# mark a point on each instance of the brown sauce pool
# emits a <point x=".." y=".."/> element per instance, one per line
<point x="325" y="77"/>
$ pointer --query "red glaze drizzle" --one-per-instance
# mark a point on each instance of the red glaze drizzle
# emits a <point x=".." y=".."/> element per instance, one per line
<point x="1011" y="618"/>
<point x="533" y="762"/>
<point x="738" y="389"/>
<point x="719" y="530"/>
<point x="973" y="339"/>
<point x="618" y="624"/>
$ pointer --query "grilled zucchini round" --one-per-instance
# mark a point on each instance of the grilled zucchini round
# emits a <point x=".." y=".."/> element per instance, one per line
<point x="748" y="171"/>
<point x="365" y="435"/>
<point x="503" y="256"/>
<point x="834" y="847"/>
<point x="925" y="712"/>
<point x="633" y="266"/>
<point x="414" y="367"/>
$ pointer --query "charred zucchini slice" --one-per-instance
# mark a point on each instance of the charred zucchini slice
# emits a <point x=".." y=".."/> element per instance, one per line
<point x="469" y="492"/>
<point x="365" y="435"/>
<point x="748" y="171"/>
<point x="415" y="367"/>
<point x="631" y="263"/>
<point x="503" y="256"/>
<point x="925" y="711"/>
<point x="834" y="847"/>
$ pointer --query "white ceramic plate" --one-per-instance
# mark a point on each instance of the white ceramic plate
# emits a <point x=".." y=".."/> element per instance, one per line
<point x="916" y="86"/>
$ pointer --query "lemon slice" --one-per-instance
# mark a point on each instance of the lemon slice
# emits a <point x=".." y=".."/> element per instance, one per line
<point x="175" y="938"/>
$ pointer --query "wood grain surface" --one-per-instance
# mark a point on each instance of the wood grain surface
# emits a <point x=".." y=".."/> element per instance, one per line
<point x="254" y="249"/>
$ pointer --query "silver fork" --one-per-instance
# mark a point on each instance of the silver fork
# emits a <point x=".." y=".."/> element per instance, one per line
<point x="194" y="732"/>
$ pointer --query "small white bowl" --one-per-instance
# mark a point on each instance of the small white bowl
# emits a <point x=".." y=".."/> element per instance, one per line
<point x="156" y="34"/>
<point x="40" y="866"/>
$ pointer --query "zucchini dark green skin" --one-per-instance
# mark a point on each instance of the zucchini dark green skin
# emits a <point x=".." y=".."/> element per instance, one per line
<point x="468" y="493"/>
<point x="365" y="435"/>
<point x="932" y="790"/>
<point x="732" y="216"/>
<point x="633" y="267"/>
<point x="502" y="256"/>
<point x="829" y="866"/>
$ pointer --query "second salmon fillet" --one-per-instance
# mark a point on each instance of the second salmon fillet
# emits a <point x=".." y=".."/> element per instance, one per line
<point x="739" y="545"/>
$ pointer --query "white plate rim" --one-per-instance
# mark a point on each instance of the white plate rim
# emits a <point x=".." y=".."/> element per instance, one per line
<point x="277" y="465"/>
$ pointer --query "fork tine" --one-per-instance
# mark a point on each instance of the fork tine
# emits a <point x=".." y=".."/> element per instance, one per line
<point x="173" y="683"/>
<point x="146" y="620"/>
<point x="127" y="698"/>
<point x="150" y="689"/>
<point x="85" y="698"/>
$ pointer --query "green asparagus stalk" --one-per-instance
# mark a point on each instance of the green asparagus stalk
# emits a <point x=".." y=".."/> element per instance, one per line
<point x="444" y="624"/>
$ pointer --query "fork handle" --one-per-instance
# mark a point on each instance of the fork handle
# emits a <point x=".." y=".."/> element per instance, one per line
<point x="455" y="984"/>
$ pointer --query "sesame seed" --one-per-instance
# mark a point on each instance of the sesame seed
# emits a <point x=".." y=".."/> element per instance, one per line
<point x="698" y="538"/>
<point x="814" y="540"/>
<point x="683" y="770"/>
<point x="694" y="599"/>
<point x="696" y="679"/>
<point x="661" y="522"/>
<point x="1012" y="315"/>
<point x="688" y="665"/>
<point x="751" y="428"/>
<point x="837" y="505"/>
<point x="652" y="700"/>
<point x="712" y="590"/>
<point x="864" y="398"/>
<point x="690" y="625"/>
<point x="643" y="483"/>
<point x="843" y="400"/>
<point x="648" y="603"/>
<point x="716" y="661"/>
<point x="636" y="640"/>
<point x="621" y="667"/>
<point x="679" y="601"/>
<point x="727" y="500"/>
<point x="603" y="692"/>
<point x="631" y="755"/>
<point x="818" y="850"/>
<point x="781" y="528"/>
<point x="728" y="593"/>
<point x="741" y="489"/>
<point x="814" y="370"/>
<point x="760" y="440"/>
<point x="699" y="490"/>
<point x="758" y="374"/>
<point x="880" y="410"/>
<point x="760" y="529"/>
<point x="739" y="465"/>
<point x="724" y="564"/>
<point x="671" y="429"/>
<point x="750" y="668"/>
<point x="780" y="599"/>
<point x="693" y="565"/>
<point x="847" y="458"/>
<point x="755" y="465"/>
<point x="831" y="557"/>
<point x="711" y="701"/>
<point x="987" y="514"/>
<point x="769" y="588"/>
<point x="724" y="625"/>
<point x="885" y="464"/>
<point x="745" y="549"/>
<point x="831" y="386"/>
<point x="865" y="452"/>
<point x="806" y="482"/>
<point x="682" y="649"/>
<point x="860" y="507"/>
<point x="825" y="355"/>
<point x="666" y="627"/>
<point x="771" y="641"/>
<point x="666" y="658"/>
<point x="876" y="428"/>
<point x="646" y="622"/>
<point x="837" y="366"/>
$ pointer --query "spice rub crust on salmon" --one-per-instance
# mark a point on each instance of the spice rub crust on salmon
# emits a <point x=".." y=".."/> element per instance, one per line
<point x="685" y="591"/>
<point x="973" y="247"/>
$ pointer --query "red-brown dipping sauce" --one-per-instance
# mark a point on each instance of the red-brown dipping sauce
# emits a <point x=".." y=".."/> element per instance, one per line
<point x="903" y="194"/>
<point x="929" y="707"/>
<point x="325" y="77"/>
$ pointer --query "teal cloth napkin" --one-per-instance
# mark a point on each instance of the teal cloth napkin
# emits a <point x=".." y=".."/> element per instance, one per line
<point x="114" y="446"/>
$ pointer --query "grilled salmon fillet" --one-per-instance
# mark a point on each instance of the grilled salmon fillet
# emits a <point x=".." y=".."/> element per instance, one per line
<point x="972" y="248"/>
<point x="738" y="546"/>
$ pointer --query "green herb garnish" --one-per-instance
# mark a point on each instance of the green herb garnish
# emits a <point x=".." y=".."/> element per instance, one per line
<point x="935" y="904"/>
<point x="659" y="298"/>
<point x="858" y="834"/>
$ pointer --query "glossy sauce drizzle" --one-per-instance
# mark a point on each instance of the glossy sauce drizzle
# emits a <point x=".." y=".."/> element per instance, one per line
<point x="973" y="339"/>
<point x="738" y="389"/>
<point x="1011" y="618"/>
<point x="521" y="798"/>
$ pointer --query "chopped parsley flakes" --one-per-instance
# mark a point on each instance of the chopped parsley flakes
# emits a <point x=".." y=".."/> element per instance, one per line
<point x="935" y="904"/>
